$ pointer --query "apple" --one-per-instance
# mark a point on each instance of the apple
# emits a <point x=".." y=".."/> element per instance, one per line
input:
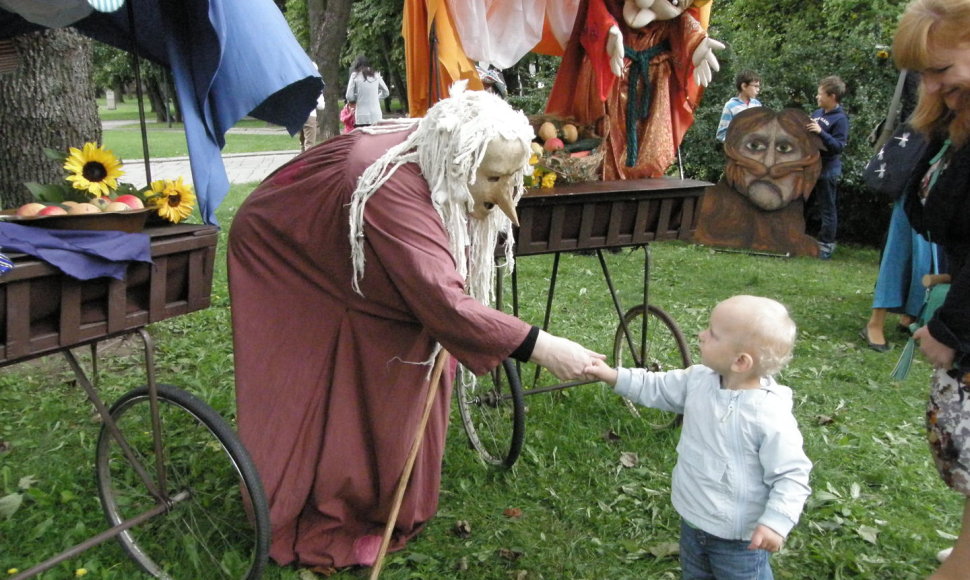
<point x="554" y="144"/>
<point x="52" y="210"/>
<point x="79" y="208"/>
<point x="117" y="206"/>
<point x="131" y="201"/>
<point x="100" y="202"/>
<point x="30" y="209"/>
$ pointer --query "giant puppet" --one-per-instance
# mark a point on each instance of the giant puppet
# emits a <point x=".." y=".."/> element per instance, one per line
<point x="349" y="268"/>
<point x="634" y="71"/>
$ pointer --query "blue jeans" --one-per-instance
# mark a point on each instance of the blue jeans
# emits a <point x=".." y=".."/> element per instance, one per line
<point x="826" y="198"/>
<point x="707" y="557"/>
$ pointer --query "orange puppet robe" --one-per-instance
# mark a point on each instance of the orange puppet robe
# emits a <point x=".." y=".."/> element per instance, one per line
<point x="636" y="145"/>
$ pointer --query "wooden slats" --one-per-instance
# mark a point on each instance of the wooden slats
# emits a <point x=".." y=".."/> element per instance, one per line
<point x="66" y="312"/>
<point x="607" y="214"/>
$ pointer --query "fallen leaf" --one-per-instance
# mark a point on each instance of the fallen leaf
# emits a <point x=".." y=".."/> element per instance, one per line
<point x="462" y="564"/>
<point x="510" y="555"/>
<point x="10" y="503"/>
<point x="824" y="420"/>
<point x="629" y="459"/>
<point x="664" y="549"/>
<point x="611" y="436"/>
<point x="462" y="529"/>
<point x="512" y="513"/>
<point x="4" y="446"/>
<point x="868" y="533"/>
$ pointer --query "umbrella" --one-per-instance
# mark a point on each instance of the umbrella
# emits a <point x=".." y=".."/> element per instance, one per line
<point x="229" y="59"/>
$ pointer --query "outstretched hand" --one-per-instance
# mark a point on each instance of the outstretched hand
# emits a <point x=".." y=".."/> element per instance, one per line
<point x="765" y="538"/>
<point x="705" y="63"/>
<point x="564" y="358"/>
<point x="598" y="369"/>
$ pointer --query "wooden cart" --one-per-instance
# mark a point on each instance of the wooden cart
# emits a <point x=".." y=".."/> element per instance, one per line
<point x="178" y="489"/>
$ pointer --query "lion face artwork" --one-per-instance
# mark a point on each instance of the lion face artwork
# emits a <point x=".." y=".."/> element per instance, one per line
<point x="772" y="165"/>
<point x="772" y="159"/>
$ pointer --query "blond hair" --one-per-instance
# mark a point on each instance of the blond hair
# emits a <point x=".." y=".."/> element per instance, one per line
<point x="768" y="331"/>
<point x="942" y="23"/>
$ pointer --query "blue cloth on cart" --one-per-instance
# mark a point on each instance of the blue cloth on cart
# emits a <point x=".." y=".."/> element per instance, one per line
<point x="81" y="254"/>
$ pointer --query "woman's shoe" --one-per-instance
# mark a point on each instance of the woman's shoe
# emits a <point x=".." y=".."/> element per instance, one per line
<point x="864" y="334"/>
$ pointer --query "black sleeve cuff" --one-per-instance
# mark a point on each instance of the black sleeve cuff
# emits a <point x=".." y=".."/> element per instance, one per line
<point x="524" y="352"/>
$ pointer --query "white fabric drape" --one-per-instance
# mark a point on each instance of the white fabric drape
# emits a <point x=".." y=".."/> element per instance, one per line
<point x="501" y="32"/>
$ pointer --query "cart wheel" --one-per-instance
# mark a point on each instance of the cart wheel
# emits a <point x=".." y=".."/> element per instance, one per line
<point x="217" y="521"/>
<point x="664" y="349"/>
<point x="493" y="413"/>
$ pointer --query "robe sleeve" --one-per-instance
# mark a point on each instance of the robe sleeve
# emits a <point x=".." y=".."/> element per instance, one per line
<point x="406" y="236"/>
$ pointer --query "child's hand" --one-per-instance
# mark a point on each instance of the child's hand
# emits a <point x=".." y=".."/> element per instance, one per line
<point x="765" y="538"/>
<point x="599" y="370"/>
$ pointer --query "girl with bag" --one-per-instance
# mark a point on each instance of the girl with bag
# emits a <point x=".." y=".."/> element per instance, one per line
<point x="906" y="256"/>
<point x="366" y="90"/>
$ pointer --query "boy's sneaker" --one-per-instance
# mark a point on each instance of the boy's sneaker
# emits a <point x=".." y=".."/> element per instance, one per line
<point x="825" y="250"/>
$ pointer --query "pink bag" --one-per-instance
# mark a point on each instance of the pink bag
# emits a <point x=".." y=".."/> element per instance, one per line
<point x="347" y="117"/>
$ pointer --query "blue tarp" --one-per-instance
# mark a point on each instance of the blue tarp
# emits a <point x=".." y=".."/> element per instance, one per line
<point x="229" y="59"/>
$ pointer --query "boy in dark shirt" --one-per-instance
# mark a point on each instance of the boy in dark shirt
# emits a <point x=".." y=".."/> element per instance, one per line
<point x="830" y="123"/>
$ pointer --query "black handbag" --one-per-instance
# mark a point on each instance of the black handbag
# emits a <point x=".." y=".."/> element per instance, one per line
<point x="890" y="168"/>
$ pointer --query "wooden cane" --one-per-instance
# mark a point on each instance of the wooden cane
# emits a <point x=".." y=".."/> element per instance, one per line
<point x="402" y="485"/>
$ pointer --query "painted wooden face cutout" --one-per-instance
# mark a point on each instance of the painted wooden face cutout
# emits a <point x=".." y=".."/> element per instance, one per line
<point x="772" y="160"/>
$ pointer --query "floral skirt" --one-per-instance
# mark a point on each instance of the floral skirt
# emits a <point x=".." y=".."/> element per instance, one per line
<point x="948" y="428"/>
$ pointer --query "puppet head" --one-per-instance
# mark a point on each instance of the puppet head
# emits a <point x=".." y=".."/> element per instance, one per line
<point x="772" y="159"/>
<point x="473" y="150"/>
<point x="639" y="13"/>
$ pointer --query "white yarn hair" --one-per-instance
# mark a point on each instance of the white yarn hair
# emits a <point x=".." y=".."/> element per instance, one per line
<point x="448" y="145"/>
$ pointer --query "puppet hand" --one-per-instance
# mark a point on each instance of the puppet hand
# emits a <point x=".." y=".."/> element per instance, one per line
<point x="614" y="48"/>
<point x="564" y="358"/>
<point x="705" y="63"/>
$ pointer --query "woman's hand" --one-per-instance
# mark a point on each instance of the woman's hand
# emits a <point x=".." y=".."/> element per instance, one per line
<point x="940" y="355"/>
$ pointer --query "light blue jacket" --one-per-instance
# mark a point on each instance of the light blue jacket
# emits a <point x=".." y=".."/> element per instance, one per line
<point x="740" y="460"/>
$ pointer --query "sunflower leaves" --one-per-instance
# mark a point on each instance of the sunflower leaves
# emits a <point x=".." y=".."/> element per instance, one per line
<point x="54" y="192"/>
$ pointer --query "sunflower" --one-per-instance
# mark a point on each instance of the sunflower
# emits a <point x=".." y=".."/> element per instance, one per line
<point x="173" y="199"/>
<point x="93" y="169"/>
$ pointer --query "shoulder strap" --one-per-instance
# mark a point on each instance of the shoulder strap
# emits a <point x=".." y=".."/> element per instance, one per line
<point x="891" y="117"/>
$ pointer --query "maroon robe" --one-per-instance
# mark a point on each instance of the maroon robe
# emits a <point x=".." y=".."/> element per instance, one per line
<point x="329" y="392"/>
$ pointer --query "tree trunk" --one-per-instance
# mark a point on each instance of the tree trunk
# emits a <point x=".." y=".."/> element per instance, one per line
<point x="328" y="31"/>
<point x="48" y="102"/>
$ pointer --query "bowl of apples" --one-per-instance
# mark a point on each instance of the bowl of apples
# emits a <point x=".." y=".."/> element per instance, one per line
<point x="125" y="213"/>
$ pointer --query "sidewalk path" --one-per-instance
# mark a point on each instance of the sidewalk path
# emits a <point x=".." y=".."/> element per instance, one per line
<point x="240" y="167"/>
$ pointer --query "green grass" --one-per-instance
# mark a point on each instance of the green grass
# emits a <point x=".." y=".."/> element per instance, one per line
<point x="164" y="141"/>
<point x="878" y="509"/>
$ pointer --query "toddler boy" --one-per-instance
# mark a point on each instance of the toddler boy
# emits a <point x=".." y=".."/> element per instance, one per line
<point x="741" y="478"/>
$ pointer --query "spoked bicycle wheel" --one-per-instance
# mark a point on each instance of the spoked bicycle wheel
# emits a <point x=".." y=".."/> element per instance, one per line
<point x="493" y="413"/>
<point x="663" y="349"/>
<point x="217" y="521"/>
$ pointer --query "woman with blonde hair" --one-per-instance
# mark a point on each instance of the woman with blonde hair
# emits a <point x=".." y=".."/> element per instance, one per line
<point x="934" y="38"/>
